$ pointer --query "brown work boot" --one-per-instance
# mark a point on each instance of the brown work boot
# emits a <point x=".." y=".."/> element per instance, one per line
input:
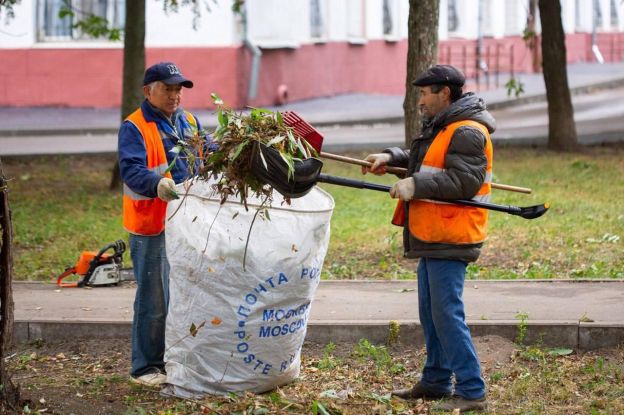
<point x="419" y="391"/>
<point x="463" y="404"/>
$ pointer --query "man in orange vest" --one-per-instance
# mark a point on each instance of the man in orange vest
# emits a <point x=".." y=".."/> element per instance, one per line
<point x="451" y="159"/>
<point x="146" y="140"/>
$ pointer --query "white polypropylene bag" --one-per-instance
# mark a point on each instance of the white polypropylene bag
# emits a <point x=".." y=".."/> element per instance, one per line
<point x="254" y="319"/>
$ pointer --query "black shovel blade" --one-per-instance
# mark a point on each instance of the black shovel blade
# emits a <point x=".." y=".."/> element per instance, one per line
<point x="270" y="168"/>
<point x="533" y="212"/>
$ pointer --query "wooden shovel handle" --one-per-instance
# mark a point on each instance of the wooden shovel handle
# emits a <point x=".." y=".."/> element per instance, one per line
<point x="402" y="171"/>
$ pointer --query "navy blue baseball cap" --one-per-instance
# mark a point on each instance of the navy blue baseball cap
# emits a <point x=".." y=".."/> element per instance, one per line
<point x="167" y="72"/>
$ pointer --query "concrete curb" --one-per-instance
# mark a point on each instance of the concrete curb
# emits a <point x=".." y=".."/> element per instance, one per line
<point x="571" y="334"/>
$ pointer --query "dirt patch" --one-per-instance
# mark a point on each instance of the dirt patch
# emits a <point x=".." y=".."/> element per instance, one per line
<point x="91" y="377"/>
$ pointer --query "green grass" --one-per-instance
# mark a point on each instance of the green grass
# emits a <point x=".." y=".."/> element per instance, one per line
<point x="62" y="206"/>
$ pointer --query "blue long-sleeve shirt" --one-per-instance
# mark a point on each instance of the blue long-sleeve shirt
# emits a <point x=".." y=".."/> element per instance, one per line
<point x="133" y="156"/>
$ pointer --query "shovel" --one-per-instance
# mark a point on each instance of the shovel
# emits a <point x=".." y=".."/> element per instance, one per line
<point x="269" y="167"/>
<point x="315" y="139"/>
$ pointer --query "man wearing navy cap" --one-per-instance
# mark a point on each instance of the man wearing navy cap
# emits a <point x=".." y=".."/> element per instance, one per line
<point x="451" y="159"/>
<point x="146" y="139"/>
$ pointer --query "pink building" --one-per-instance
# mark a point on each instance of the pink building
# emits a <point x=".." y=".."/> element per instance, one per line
<point x="283" y="49"/>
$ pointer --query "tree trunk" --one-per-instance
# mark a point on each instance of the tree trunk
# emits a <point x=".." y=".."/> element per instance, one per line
<point x="533" y="39"/>
<point x="133" y="67"/>
<point x="422" y="52"/>
<point x="561" y="128"/>
<point x="9" y="393"/>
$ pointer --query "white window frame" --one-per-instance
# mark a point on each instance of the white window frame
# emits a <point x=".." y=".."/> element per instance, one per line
<point x="356" y="10"/>
<point x="452" y="4"/>
<point x="74" y="34"/>
<point x="268" y="27"/>
<point x="393" y="8"/>
<point x="322" y="36"/>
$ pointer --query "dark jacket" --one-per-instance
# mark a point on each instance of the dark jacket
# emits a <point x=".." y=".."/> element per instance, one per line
<point x="464" y="172"/>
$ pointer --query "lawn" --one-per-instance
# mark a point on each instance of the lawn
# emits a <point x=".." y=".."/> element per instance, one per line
<point x="62" y="205"/>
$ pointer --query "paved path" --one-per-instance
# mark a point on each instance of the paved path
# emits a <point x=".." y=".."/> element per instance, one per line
<point x="584" y="315"/>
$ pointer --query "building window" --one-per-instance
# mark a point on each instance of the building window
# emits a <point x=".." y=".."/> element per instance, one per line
<point x="318" y="19"/>
<point x="52" y="27"/>
<point x="453" y="16"/>
<point x="614" y="15"/>
<point x="355" y="21"/>
<point x="391" y="19"/>
<point x="597" y="14"/>
<point x="577" y="14"/>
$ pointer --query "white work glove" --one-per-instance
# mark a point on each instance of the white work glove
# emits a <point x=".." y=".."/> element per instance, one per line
<point x="167" y="190"/>
<point x="403" y="189"/>
<point x="379" y="161"/>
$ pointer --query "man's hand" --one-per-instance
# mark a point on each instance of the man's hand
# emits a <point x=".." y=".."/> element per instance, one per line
<point x="166" y="190"/>
<point x="379" y="161"/>
<point x="403" y="189"/>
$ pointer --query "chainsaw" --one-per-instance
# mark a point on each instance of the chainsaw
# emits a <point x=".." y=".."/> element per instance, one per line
<point x="96" y="268"/>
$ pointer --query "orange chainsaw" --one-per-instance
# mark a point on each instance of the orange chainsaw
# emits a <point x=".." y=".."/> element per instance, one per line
<point x="96" y="268"/>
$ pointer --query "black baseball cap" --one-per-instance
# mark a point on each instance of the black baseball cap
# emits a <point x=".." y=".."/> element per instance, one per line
<point x="442" y="75"/>
<point x="167" y="72"/>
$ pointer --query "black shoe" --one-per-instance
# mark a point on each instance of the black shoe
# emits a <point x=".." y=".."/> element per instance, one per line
<point x="419" y="391"/>
<point x="463" y="404"/>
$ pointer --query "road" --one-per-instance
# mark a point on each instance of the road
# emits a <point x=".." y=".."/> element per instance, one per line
<point x="599" y="117"/>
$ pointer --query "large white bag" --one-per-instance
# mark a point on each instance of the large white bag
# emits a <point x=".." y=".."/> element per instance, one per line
<point x="255" y="318"/>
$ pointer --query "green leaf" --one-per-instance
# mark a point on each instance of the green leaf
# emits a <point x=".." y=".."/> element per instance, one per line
<point x="279" y="118"/>
<point x="266" y="166"/>
<point x="292" y="141"/>
<point x="193" y="330"/>
<point x="65" y="12"/>
<point x="311" y="149"/>
<point x="319" y="409"/>
<point x="385" y="399"/>
<point x="239" y="148"/>
<point x="560" y="351"/>
<point x="216" y="99"/>
<point x="222" y="117"/>
<point x="301" y="148"/>
<point x="170" y="166"/>
<point x="291" y="166"/>
<point x="278" y="138"/>
<point x="260" y="111"/>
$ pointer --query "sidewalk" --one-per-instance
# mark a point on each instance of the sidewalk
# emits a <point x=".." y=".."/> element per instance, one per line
<point x="577" y="314"/>
<point x="339" y="110"/>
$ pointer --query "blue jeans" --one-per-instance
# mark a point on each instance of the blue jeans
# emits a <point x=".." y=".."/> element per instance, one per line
<point x="447" y="336"/>
<point x="151" y="271"/>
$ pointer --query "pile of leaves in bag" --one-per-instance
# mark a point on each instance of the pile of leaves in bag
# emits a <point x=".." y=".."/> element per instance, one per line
<point x="237" y="140"/>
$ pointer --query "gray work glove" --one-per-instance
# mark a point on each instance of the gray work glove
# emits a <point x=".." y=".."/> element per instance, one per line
<point x="403" y="189"/>
<point x="379" y="160"/>
<point x="167" y="189"/>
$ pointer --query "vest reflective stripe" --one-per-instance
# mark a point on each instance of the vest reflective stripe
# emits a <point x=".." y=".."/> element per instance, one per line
<point x="441" y="222"/>
<point x="145" y="215"/>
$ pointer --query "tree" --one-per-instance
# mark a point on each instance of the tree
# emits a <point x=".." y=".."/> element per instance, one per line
<point x="422" y="52"/>
<point x="561" y="128"/>
<point x="133" y="67"/>
<point x="9" y="393"/>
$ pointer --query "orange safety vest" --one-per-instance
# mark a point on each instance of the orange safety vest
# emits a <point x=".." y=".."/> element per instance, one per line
<point x="144" y="215"/>
<point x="440" y="222"/>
